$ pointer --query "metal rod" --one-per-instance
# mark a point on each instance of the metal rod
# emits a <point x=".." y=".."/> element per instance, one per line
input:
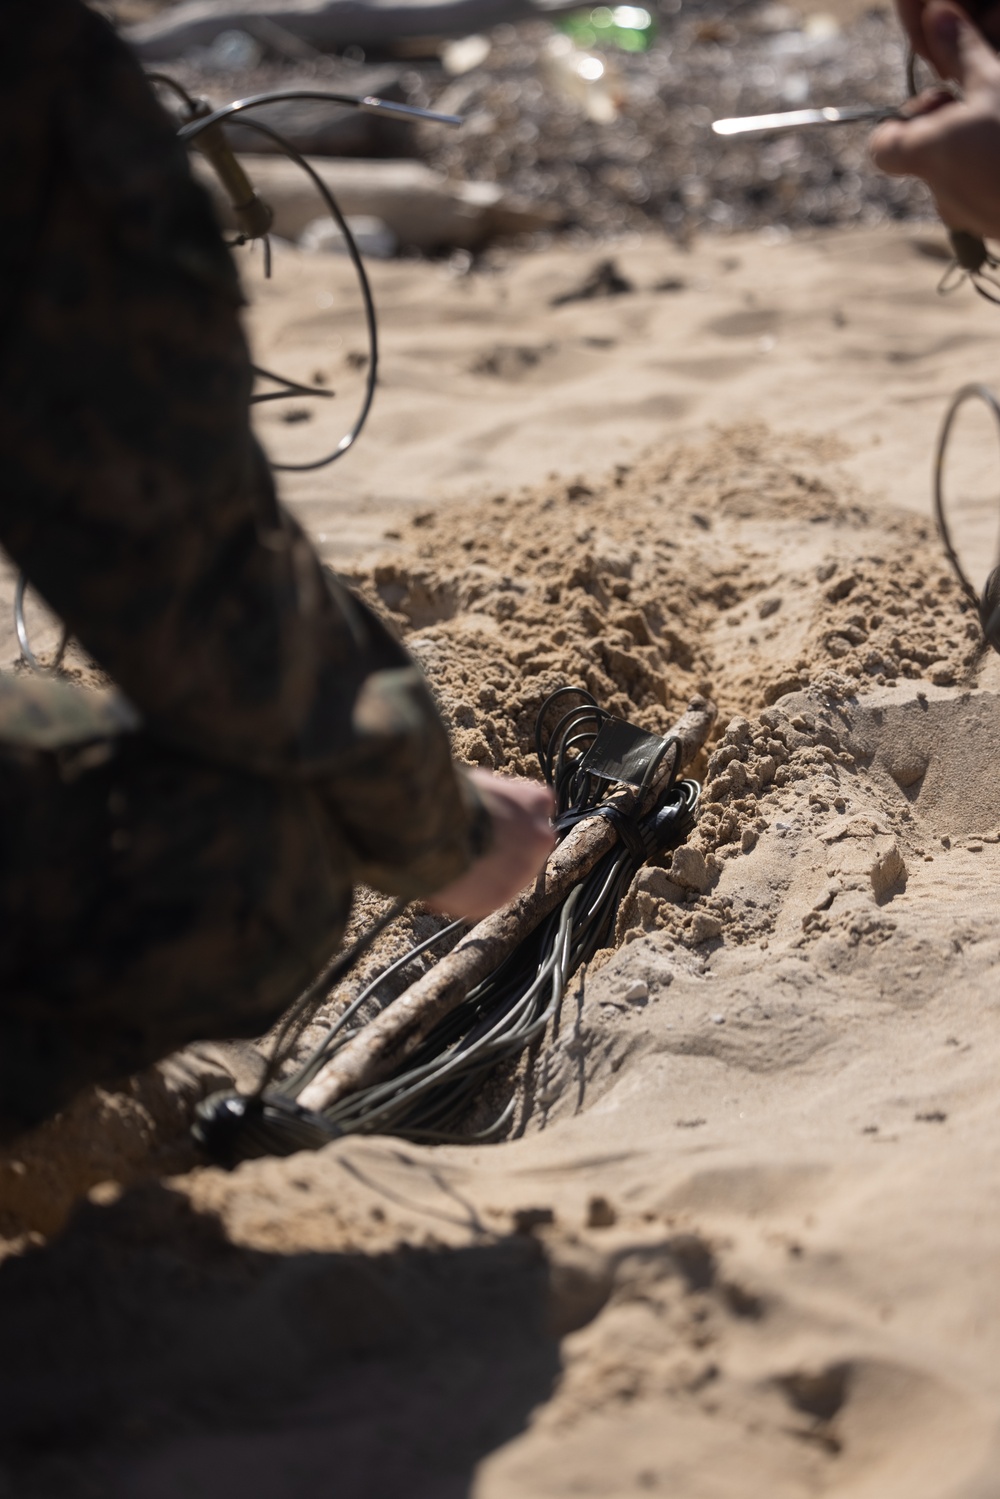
<point x="368" y="103"/>
<point x="804" y="119"/>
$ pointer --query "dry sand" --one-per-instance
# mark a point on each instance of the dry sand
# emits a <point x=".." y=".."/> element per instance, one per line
<point x="745" y="1241"/>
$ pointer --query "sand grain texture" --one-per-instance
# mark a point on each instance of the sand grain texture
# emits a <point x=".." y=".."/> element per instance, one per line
<point x="744" y="1241"/>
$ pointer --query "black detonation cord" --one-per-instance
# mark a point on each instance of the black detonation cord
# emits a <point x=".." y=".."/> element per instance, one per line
<point x="431" y="1096"/>
<point x="974" y="392"/>
<point x="368" y="105"/>
<point x="988" y="604"/>
<point x="195" y="126"/>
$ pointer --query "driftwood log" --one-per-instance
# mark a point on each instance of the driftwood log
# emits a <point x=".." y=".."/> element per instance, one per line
<point x="381" y="1047"/>
<point x="422" y="208"/>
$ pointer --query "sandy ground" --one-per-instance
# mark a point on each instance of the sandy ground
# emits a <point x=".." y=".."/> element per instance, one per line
<point x="744" y="1242"/>
<point x="486" y="384"/>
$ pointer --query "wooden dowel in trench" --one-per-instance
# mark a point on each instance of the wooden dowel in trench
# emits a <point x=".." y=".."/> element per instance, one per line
<point x="381" y="1047"/>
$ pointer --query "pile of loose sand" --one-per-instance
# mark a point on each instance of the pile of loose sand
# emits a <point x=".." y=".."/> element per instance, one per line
<point x="744" y="569"/>
<point x="741" y="1244"/>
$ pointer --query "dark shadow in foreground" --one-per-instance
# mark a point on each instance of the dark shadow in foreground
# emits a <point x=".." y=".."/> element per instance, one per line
<point x="144" y="1356"/>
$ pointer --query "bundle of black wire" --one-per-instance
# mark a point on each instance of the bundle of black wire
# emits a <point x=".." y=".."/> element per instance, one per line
<point x="431" y="1098"/>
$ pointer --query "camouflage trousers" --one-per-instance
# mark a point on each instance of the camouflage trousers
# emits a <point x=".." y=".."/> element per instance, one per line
<point x="149" y="898"/>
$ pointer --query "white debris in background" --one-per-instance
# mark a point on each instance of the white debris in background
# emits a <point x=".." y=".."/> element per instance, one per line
<point x="372" y="236"/>
<point x="464" y="55"/>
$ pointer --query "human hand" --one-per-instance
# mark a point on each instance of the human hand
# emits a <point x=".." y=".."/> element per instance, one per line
<point x="952" y="144"/>
<point x="984" y="13"/>
<point x="522" y="841"/>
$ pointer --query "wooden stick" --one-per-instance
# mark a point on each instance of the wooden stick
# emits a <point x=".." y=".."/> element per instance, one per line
<point x="381" y="1047"/>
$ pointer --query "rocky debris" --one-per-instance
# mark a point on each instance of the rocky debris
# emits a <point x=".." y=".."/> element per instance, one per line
<point x="651" y="160"/>
<point x="656" y="161"/>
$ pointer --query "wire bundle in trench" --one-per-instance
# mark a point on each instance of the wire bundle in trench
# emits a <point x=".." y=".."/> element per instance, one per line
<point x="433" y="1096"/>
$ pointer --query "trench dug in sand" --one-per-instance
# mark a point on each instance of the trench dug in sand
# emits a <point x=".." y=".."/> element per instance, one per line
<point x="741" y="1240"/>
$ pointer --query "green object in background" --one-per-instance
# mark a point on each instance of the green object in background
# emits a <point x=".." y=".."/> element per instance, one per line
<point x="628" y="27"/>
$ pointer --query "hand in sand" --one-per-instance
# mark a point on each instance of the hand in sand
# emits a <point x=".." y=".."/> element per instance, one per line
<point x="522" y="841"/>
<point x="952" y="144"/>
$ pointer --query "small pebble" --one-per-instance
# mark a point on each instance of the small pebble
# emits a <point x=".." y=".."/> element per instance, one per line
<point x="637" y="991"/>
<point x="526" y="1220"/>
<point x="600" y="1213"/>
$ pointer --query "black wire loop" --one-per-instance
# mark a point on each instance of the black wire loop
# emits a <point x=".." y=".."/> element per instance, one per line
<point x="367" y="103"/>
<point x="43" y="668"/>
<point x="981" y="280"/>
<point x="189" y="131"/>
<point x="974" y="391"/>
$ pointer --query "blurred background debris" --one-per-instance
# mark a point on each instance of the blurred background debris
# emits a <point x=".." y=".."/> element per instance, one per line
<point x="598" y="117"/>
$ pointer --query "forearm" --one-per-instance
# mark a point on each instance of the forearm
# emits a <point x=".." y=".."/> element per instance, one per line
<point x="951" y="142"/>
<point x="415" y="823"/>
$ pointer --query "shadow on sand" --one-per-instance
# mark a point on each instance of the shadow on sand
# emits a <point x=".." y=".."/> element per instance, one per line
<point x="144" y="1356"/>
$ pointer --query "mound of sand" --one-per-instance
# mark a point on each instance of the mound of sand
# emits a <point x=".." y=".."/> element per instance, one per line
<point x="740" y="1241"/>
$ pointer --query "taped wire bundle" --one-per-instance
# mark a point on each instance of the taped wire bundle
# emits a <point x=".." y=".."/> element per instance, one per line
<point x="582" y="757"/>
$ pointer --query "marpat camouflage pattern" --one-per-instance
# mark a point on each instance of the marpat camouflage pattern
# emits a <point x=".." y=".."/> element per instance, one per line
<point x="177" y="859"/>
